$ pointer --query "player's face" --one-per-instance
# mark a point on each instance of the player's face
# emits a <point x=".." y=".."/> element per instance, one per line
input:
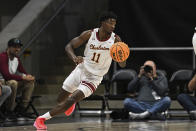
<point x="109" y="25"/>
<point x="14" y="51"/>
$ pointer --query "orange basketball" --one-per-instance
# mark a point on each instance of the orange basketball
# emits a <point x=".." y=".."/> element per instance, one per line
<point x="119" y="51"/>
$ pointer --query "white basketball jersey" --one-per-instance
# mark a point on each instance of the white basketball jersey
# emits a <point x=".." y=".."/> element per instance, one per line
<point x="194" y="41"/>
<point x="97" y="59"/>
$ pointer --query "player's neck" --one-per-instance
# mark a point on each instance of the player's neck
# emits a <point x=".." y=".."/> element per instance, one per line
<point x="103" y="35"/>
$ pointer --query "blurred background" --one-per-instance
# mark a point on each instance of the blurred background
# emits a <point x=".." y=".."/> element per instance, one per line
<point x="46" y="26"/>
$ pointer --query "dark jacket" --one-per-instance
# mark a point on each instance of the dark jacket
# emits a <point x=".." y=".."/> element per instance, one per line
<point x="144" y="86"/>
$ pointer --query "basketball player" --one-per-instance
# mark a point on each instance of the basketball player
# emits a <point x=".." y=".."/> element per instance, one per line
<point x="90" y="69"/>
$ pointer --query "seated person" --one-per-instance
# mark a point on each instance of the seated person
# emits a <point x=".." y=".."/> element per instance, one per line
<point x="152" y="89"/>
<point x="15" y="76"/>
<point x="188" y="101"/>
<point x="5" y="92"/>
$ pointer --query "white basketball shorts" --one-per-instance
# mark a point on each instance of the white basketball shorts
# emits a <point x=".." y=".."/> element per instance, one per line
<point x="82" y="80"/>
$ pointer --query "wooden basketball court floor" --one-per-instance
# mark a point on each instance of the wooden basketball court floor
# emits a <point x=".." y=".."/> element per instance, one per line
<point x="102" y="124"/>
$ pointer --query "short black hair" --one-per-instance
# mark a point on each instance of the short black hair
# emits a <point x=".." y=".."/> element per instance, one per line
<point x="107" y="15"/>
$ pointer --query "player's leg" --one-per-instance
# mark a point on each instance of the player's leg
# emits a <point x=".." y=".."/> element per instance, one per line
<point x="39" y="122"/>
<point x="85" y="89"/>
<point x="60" y="108"/>
<point x="63" y="95"/>
<point x="69" y="86"/>
<point x="77" y="96"/>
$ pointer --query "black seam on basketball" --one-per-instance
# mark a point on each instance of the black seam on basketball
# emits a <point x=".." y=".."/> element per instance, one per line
<point x="111" y="52"/>
<point x="111" y="49"/>
<point x="123" y="51"/>
<point x="117" y="53"/>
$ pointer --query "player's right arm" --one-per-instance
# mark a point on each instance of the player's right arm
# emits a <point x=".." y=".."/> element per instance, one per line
<point x="75" y="43"/>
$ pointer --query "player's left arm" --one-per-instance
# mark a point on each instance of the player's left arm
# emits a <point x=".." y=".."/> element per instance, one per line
<point x="118" y="39"/>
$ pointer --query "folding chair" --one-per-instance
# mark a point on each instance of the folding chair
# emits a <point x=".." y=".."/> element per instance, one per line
<point x="178" y="82"/>
<point x="30" y="105"/>
<point x="122" y="77"/>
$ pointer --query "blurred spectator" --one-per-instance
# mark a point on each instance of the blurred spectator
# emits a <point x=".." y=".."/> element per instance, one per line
<point x="188" y="101"/>
<point x="5" y="91"/>
<point x="152" y="89"/>
<point x="15" y="76"/>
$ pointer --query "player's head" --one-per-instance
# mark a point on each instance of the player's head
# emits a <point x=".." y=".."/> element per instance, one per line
<point x="108" y="21"/>
<point x="14" y="46"/>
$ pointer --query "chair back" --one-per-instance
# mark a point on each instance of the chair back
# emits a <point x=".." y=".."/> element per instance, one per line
<point x="179" y="81"/>
<point x="122" y="77"/>
<point x="181" y="75"/>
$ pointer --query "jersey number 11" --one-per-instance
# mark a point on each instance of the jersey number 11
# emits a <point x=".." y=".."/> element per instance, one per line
<point x="95" y="57"/>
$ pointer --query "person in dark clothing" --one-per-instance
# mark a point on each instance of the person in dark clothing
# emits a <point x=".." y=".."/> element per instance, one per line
<point x="152" y="89"/>
<point x="188" y="101"/>
<point x="15" y="76"/>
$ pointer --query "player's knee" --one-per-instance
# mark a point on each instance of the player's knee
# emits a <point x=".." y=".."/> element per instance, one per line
<point x="63" y="96"/>
<point x="77" y="96"/>
<point x="72" y="99"/>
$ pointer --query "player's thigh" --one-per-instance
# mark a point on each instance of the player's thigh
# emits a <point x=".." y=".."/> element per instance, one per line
<point x="72" y="82"/>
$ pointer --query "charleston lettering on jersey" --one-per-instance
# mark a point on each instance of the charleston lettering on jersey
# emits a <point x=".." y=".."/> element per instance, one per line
<point x="97" y="59"/>
<point x="98" y="48"/>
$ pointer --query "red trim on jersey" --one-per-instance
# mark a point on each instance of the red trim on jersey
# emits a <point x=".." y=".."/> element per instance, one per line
<point x="89" y="85"/>
<point x="97" y="35"/>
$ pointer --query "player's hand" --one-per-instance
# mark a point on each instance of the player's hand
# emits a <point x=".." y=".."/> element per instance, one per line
<point x="78" y="59"/>
<point x="122" y="64"/>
